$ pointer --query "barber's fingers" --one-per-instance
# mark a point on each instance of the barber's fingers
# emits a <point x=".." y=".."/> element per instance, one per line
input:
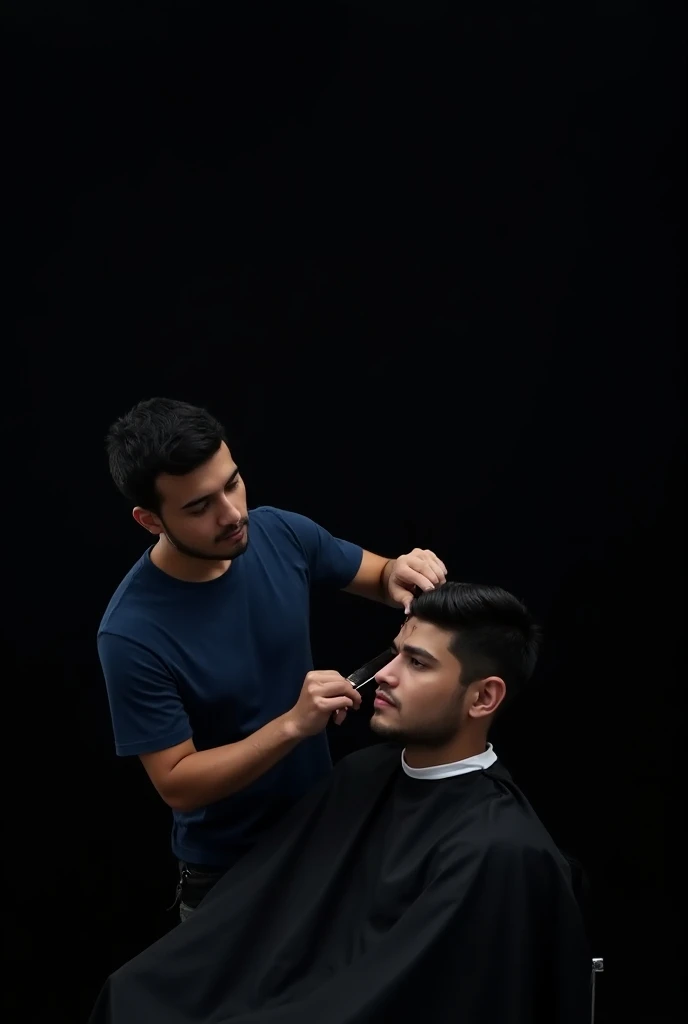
<point x="339" y="717"/>
<point x="327" y="682"/>
<point x="403" y="590"/>
<point x="330" y="686"/>
<point x="428" y="566"/>
<point x="437" y="565"/>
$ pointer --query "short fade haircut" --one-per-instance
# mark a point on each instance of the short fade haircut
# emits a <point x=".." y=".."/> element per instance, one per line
<point x="494" y="634"/>
<point x="159" y="435"/>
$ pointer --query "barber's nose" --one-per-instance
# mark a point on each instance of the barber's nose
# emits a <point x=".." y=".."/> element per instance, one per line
<point x="229" y="513"/>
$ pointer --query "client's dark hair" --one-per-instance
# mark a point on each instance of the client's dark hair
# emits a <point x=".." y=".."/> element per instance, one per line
<point x="494" y="633"/>
<point x="158" y="436"/>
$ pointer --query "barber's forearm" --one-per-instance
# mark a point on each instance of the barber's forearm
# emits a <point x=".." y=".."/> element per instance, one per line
<point x="206" y="776"/>
<point x="384" y="583"/>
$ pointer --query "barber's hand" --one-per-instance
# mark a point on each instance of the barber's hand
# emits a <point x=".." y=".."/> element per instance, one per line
<point x="422" y="569"/>
<point x="322" y="695"/>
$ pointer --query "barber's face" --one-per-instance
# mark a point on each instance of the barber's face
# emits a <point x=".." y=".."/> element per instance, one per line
<point x="419" y="697"/>
<point x="203" y="513"/>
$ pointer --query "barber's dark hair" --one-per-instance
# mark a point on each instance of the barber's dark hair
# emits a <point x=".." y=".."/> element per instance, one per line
<point x="494" y="633"/>
<point x="159" y="435"/>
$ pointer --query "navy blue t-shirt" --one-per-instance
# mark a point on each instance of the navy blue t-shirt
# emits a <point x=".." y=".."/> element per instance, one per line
<point x="215" y="661"/>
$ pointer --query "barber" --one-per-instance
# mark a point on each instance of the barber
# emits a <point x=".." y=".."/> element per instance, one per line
<point x="205" y="644"/>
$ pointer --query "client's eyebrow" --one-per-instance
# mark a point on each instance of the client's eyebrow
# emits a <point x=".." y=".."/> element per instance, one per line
<point x="416" y="652"/>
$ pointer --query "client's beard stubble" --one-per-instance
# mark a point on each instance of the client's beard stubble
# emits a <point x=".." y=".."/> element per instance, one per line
<point x="430" y="735"/>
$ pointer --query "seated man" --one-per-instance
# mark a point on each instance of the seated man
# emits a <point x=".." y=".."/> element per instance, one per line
<point x="414" y="881"/>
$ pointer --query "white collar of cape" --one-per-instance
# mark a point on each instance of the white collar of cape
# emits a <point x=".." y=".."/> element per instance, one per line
<point x="445" y="771"/>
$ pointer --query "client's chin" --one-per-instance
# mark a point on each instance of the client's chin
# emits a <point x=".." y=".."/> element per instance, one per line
<point x="380" y="725"/>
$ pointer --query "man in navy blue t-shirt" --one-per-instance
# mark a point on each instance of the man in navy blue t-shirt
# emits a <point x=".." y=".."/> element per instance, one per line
<point x="205" y="644"/>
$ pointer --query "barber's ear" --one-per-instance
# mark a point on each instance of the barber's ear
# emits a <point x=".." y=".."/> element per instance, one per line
<point x="148" y="520"/>
<point x="487" y="696"/>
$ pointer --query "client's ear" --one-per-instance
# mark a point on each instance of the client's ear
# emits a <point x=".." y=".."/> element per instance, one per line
<point x="486" y="697"/>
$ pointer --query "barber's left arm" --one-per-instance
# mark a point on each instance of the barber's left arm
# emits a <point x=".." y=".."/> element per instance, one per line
<point x="392" y="581"/>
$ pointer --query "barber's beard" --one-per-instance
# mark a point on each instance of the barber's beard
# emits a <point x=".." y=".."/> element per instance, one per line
<point x="224" y="550"/>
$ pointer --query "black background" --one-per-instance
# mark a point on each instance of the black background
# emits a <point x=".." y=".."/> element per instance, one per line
<point x="422" y="259"/>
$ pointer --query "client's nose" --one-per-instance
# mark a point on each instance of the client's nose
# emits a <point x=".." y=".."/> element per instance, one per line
<point x="388" y="674"/>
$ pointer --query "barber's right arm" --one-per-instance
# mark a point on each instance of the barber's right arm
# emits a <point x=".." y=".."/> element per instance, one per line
<point x="150" y="721"/>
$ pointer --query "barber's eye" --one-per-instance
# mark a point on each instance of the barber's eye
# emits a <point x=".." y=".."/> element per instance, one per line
<point x="416" y="663"/>
<point x="199" y="511"/>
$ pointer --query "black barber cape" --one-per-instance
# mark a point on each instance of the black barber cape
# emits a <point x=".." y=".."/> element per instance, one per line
<point x="378" y="897"/>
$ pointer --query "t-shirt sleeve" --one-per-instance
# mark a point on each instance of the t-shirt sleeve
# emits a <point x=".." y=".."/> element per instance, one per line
<point x="330" y="559"/>
<point x="146" y="709"/>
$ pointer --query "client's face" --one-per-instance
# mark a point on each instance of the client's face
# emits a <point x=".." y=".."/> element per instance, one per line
<point x="419" y="698"/>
